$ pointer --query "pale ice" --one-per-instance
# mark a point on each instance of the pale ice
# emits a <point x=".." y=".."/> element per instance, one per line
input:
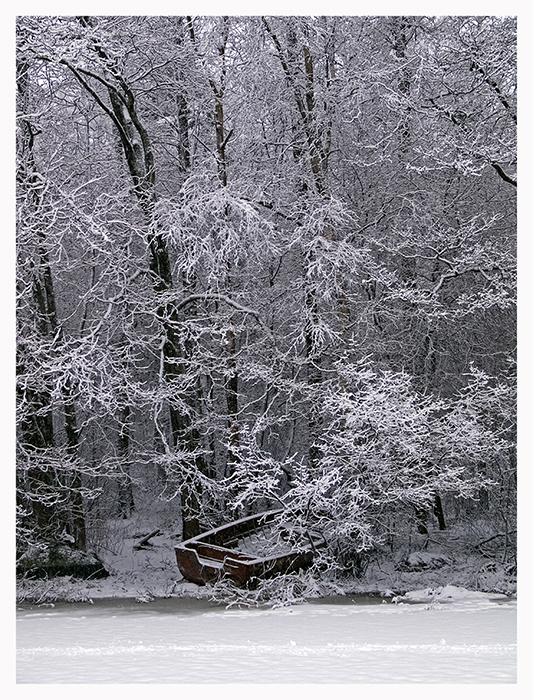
<point x="450" y="636"/>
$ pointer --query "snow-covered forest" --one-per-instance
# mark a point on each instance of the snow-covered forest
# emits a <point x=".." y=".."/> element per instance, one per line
<point x="266" y="262"/>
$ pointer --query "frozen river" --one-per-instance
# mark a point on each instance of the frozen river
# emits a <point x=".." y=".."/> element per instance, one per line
<point x="181" y="640"/>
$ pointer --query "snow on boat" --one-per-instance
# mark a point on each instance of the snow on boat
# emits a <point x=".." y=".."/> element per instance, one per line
<point x="246" y="549"/>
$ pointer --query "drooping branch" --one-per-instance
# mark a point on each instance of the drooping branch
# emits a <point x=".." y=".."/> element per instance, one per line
<point x="494" y="85"/>
<point x="226" y="299"/>
<point x="503" y="174"/>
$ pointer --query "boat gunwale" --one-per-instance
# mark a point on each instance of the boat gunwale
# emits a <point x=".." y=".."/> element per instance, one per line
<point x="238" y="567"/>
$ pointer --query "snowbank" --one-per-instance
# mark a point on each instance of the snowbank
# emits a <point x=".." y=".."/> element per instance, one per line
<point x="446" y="594"/>
<point x="151" y="572"/>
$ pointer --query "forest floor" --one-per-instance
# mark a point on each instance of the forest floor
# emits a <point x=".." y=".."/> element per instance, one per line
<point x="413" y="562"/>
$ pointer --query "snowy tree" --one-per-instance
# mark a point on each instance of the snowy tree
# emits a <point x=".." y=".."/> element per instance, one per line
<point x="266" y="260"/>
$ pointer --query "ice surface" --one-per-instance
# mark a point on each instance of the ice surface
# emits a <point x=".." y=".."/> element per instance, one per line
<point x="469" y="640"/>
<point x="439" y="634"/>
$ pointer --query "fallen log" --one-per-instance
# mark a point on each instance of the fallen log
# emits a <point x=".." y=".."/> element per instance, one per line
<point x="142" y="543"/>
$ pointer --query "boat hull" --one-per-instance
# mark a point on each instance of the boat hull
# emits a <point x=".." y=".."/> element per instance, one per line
<point x="214" y="555"/>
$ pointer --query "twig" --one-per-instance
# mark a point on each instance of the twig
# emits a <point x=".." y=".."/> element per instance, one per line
<point x="144" y="540"/>
<point x="493" y="538"/>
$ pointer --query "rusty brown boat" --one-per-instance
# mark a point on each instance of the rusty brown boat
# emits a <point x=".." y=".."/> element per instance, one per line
<point x="247" y="549"/>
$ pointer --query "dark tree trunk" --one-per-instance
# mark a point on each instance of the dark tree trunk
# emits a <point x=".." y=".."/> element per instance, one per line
<point x="139" y="157"/>
<point x="126" y="504"/>
<point x="439" y="512"/>
<point x="421" y="520"/>
<point x="40" y="434"/>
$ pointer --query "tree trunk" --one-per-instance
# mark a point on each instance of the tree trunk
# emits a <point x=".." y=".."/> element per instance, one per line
<point x="439" y="512"/>
<point x="126" y="504"/>
<point x="421" y="520"/>
<point x="41" y="435"/>
<point x="139" y="157"/>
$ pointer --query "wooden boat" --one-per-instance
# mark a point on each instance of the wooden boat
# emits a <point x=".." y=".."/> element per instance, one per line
<point x="247" y="549"/>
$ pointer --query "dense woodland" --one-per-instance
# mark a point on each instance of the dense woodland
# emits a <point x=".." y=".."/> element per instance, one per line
<point x="266" y="261"/>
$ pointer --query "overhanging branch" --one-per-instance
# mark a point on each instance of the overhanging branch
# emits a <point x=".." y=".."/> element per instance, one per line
<point x="220" y="297"/>
<point x="503" y="174"/>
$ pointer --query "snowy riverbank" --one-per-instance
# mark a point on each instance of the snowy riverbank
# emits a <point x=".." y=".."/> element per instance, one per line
<point x="145" y="624"/>
<point x="151" y="572"/>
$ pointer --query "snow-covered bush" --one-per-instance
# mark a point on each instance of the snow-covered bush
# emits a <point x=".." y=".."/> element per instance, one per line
<point x="386" y="448"/>
<point x="285" y="589"/>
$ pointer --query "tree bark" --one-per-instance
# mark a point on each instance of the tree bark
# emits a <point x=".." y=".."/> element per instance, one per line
<point x="126" y="504"/>
<point x="139" y="157"/>
<point x="41" y="433"/>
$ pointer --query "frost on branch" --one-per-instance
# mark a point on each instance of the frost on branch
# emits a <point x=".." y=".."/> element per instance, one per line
<point x="387" y="448"/>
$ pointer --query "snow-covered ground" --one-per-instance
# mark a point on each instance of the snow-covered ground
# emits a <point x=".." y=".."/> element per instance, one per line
<point x="455" y="636"/>
<point x="145" y="624"/>
<point x="152" y="572"/>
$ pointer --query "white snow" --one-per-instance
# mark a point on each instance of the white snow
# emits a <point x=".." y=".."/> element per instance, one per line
<point x="426" y="560"/>
<point x="446" y="594"/>
<point x="148" y="625"/>
<point x="152" y="572"/>
<point x="469" y="640"/>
